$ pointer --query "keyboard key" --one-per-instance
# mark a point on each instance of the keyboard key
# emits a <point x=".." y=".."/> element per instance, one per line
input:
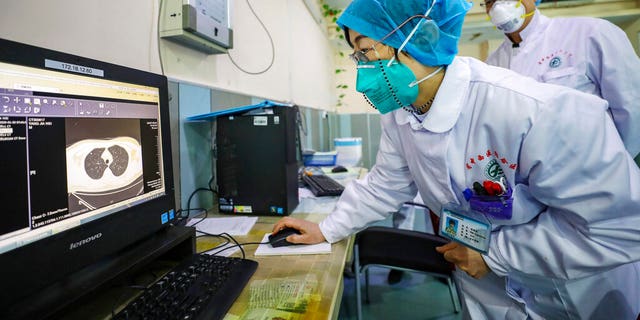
<point x="322" y="185"/>
<point x="201" y="287"/>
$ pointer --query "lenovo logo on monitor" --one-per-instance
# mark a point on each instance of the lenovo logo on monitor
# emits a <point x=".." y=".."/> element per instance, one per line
<point x="82" y="242"/>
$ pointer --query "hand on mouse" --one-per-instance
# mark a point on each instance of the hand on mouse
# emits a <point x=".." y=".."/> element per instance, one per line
<point x="309" y="231"/>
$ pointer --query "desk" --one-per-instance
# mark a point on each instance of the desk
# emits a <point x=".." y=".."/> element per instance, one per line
<point x="328" y="268"/>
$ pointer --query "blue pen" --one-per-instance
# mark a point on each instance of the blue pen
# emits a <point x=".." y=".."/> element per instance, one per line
<point x="467" y="193"/>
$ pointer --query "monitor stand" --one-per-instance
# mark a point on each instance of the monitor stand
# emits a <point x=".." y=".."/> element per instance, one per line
<point x="173" y="243"/>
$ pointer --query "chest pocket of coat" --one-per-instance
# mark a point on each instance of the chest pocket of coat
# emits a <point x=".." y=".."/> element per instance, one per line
<point x="572" y="77"/>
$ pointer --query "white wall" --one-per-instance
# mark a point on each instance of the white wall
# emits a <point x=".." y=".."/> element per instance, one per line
<point x="353" y="101"/>
<point x="301" y="70"/>
<point x="116" y="31"/>
<point x="312" y="60"/>
<point x="125" y="32"/>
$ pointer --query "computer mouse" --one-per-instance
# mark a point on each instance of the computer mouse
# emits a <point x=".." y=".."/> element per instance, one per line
<point x="279" y="239"/>
<point x="339" y="169"/>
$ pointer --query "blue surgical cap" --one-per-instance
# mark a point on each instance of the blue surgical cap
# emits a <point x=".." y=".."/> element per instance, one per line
<point x="376" y="18"/>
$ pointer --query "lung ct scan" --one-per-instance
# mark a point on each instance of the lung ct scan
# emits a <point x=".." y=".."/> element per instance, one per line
<point x="104" y="163"/>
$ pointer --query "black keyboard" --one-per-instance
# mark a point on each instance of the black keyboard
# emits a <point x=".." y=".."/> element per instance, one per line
<point x="322" y="185"/>
<point x="202" y="287"/>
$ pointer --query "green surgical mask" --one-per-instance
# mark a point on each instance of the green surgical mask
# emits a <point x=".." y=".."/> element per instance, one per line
<point x="388" y="86"/>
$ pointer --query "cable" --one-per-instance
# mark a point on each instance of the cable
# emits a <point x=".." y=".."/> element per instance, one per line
<point x="417" y="204"/>
<point x="193" y="194"/>
<point x="225" y="236"/>
<point x="179" y="212"/>
<point x="301" y="121"/>
<point x="202" y="212"/>
<point x="182" y="218"/>
<point x="238" y="245"/>
<point x="188" y="209"/>
<point x="299" y="127"/>
<point x="229" y="238"/>
<point x="206" y="234"/>
<point x="158" y="35"/>
<point x="273" y="47"/>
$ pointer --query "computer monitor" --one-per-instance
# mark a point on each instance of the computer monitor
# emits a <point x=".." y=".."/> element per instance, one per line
<point x="85" y="166"/>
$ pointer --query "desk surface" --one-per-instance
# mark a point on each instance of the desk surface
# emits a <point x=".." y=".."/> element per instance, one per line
<point x="327" y="268"/>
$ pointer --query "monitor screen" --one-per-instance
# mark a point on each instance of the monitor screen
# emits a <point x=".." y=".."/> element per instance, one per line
<point x="85" y="166"/>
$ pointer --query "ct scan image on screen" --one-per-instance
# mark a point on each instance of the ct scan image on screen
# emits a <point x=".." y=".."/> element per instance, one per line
<point x="104" y="162"/>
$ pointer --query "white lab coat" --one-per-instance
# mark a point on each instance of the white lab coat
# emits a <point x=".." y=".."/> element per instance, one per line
<point x="576" y="211"/>
<point x="588" y="54"/>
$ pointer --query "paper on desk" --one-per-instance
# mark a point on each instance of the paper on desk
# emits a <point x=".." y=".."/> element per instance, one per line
<point x="324" y="205"/>
<point x="305" y="193"/>
<point x="291" y="294"/>
<point x="268" y="250"/>
<point x="235" y="226"/>
<point x="224" y="250"/>
<point x="270" y="314"/>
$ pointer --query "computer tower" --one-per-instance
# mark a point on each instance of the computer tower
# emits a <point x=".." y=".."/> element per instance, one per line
<point x="257" y="162"/>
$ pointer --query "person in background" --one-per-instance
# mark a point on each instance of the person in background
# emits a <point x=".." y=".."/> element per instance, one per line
<point x="588" y="54"/>
<point x="565" y="240"/>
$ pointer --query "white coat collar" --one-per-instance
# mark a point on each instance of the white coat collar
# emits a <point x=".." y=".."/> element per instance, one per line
<point x="536" y="27"/>
<point x="447" y="104"/>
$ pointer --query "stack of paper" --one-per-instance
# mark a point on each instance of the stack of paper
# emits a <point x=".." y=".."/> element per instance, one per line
<point x="235" y="226"/>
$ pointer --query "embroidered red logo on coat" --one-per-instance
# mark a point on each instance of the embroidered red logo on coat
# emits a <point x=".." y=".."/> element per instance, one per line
<point x="554" y="59"/>
<point x="490" y="155"/>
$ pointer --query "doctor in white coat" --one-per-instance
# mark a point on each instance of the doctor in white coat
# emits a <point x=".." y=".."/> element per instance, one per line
<point x="567" y="241"/>
<point x="588" y="54"/>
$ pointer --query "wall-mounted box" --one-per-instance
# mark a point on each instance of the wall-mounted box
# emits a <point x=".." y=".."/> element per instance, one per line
<point x="203" y="25"/>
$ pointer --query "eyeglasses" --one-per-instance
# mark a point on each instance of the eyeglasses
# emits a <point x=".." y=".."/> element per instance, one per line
<point x="361" y="55"/>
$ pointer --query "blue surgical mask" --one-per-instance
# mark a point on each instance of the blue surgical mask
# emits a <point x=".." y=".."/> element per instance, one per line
<point x="389" y="87"/>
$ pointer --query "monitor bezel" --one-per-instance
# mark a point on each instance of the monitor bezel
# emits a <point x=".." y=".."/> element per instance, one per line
<point x="32" y="268"/>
